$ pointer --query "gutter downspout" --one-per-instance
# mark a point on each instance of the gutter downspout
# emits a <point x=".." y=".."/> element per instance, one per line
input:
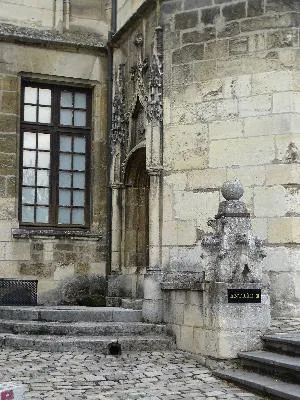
<point x="109" y="126"/>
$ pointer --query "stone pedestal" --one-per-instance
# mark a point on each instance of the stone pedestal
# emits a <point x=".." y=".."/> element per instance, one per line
<point x="234" y="261"/>
<point x="153" y="297"/>
<point x="229" y="328"/>
<point x="198" y="308"/>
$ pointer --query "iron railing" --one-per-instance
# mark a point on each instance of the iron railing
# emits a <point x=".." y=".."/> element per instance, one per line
<point x="18" y="292"/>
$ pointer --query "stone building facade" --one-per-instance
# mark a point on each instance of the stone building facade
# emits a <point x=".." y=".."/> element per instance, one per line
<point x="52" y="45"/>
<point x="230" y="73"/>
<point x="185" y="95"/>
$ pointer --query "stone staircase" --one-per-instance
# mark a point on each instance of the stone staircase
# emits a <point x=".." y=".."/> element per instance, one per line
<point x="274" y="371"/>
<point x="107" y="330"/>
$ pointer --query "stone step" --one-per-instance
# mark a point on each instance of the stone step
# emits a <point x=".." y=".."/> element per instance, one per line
<point x="278" y="365"/>
<point x="70" y="314"/>
<point x="81" y="328"/>
<point x="263" y="384"/>
<point x="134" y="304"/>
<point x="102" y="344"/>
<point x="288" y="343"/>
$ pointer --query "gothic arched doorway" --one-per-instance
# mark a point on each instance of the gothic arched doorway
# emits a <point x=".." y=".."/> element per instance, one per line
<point x="136" y="220"/>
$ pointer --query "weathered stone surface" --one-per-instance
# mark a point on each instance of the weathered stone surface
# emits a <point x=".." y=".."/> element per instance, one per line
<point x="208" y="33"/>
<point x="255" y="8"/>
<point x="186" y="20"/>
<point x="182" y="74"/>
<point x="218" y="49"/>
<point x="8" y="123"/>
<point x="250" y="176"/>
<point x="7" y="164"/>
<point x="238" y="46"/>
<point x="282" y="5"/>
<point x="188" y="53"/>
<point x="282" y="39"/>
<point x="170" y="7"/>
<point x="8" y="82"/>
<point x="208" y="178"/>
<point x="204" y="70"/>
<point x="209" y="15"/>
<point x="84" y="39"/>
<point x="232" y="190"/>
<point x="230" y="29"/>
<point x="283" y="230"/>
<point x="190" y="4"/>
<point x="9" y="102"/>
<point x="36" y="269"/>
<point x="269" y="22"/>
<point x="226" y="129"/>
<point x="270" y="202"/>
<point x="234" y="11"/>
<point x="8" y="143"/>
<point x="2" y="186"/>
<point x="252" y="150"/>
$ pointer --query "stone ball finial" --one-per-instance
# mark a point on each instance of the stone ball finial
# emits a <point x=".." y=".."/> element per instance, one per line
<point x="232" y="190"/>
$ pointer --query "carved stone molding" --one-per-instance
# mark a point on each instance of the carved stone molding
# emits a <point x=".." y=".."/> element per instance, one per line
<point x="147" y="81"/>
<point x="117" y="185"/>
<point x="155" y="105"/>
<point x="119" y="130"/>
<point x="155" y="170"/>
<point x="150" y="93"/>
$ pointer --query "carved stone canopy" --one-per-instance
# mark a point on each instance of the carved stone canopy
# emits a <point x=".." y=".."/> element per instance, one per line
<point x="147" y="86"/>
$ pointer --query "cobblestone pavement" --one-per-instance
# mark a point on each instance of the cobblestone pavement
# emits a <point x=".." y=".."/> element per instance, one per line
<point x="133" y="376"/>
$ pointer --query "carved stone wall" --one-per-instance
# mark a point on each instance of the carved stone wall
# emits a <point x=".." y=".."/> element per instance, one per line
<point x="136" y="129"/>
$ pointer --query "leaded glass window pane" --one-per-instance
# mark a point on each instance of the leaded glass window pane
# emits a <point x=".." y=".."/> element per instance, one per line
<point x="54" y="162"/>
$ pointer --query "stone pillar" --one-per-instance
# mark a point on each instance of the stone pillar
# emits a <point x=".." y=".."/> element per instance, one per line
<point x="113" y="279"/>
<point x="116" y="227"/>
<point x="154" y="222"/>
<point x="233" y="321"/>
<point x="153" y="300"/>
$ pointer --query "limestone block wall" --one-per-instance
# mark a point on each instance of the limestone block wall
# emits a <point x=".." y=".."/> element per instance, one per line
<point x="231" y="110"/>
<point x="63" y="266"/>
<point x="125" y="9"/>
<point x="73" y="15"/>
<point x="90" y="15"/>
<point x="205" y="324"/>
<point x="37" y="13"/>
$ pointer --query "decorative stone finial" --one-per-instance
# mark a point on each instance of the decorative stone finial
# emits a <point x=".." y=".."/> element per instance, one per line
<point x="238" y="253"/>
<point x="232" y="190"/>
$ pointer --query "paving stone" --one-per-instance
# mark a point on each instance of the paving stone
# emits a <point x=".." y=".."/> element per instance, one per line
<point x="133" y="376"/>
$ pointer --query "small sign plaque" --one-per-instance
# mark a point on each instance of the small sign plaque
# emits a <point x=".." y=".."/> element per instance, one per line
<point x="244" y="295"/>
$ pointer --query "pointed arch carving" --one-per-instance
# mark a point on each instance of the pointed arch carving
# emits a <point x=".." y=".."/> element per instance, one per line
<point x="145" y="105"/>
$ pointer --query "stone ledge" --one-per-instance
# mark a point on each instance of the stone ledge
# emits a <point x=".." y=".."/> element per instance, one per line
<point x="183" y="281"/>
<point x="28" y="233"/>
<point x="17" y="34"/>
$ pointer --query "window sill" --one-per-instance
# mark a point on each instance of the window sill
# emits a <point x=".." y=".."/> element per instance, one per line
<point x="27" y="233"/>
